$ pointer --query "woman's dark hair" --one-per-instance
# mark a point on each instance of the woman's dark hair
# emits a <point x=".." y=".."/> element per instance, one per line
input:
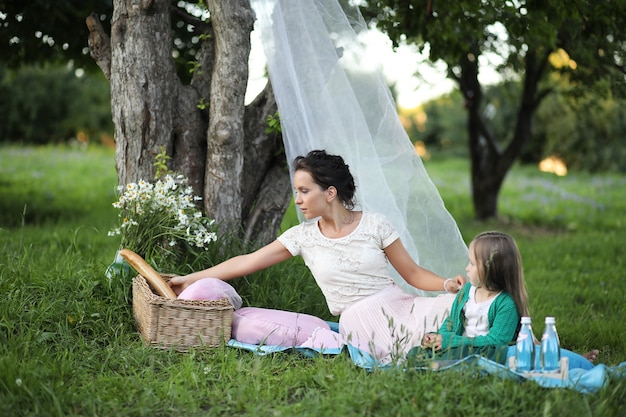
<point x="329" y="170"/>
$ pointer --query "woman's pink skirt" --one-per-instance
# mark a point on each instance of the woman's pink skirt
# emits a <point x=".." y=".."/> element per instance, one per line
<point x="389" y="323"/>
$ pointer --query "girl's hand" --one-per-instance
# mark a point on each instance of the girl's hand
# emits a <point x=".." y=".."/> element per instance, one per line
<point x="432" y="340"/>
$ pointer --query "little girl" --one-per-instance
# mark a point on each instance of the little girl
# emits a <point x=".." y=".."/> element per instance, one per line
<point x="485" y="315"/>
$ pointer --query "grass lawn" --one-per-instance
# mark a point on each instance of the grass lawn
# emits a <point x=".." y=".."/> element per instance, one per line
<point x="68" y="346"/>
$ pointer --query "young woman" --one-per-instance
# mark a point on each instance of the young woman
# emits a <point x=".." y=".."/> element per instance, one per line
<point x="348" y="253"/>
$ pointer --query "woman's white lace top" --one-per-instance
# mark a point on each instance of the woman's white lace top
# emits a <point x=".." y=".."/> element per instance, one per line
<point x="349" y="268"/>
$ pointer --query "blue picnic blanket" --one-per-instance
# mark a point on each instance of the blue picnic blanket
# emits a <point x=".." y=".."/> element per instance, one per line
<point x="584" y="381"/>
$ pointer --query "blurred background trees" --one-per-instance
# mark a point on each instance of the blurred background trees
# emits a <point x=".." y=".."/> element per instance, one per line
<point x="177" y="73"/>
<point x="51" y="90"/>
<point x="48" y="103"/>
<point x="587" y="132"/>
<point x="537" y="47"/>
<point x="561" y="90"/>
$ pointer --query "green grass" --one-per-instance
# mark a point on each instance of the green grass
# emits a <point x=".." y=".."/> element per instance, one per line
<point x="68" y="346"/>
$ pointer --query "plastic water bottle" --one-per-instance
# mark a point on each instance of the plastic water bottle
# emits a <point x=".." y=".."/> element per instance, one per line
<point x="525" y="347"/>
<point x="550" y="348"/>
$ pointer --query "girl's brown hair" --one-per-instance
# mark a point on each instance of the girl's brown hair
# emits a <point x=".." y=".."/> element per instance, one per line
<point x="499" y="265"/>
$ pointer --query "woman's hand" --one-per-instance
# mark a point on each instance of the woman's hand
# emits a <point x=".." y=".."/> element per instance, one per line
<point x="432" y="340"/>
<point x="453" y="285"/>
<point x="179" y="283"/>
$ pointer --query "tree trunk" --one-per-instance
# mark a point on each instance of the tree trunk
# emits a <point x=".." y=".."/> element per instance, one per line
<point x="266" y="182"/>
<point x="143" y="86"/>
<point x="224" y="164"/>
<point x="490" y="164"/>
<point x="224" y="149"/>
<point x="486" y="181"/>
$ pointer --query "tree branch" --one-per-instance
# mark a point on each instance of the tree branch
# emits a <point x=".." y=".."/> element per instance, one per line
<point x="99" y="44"/>
<point x="541" y="94"/>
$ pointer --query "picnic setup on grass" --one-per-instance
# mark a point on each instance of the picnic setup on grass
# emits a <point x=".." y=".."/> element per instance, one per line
<point x="168" y="322"/>
<point x="328" y="88"/>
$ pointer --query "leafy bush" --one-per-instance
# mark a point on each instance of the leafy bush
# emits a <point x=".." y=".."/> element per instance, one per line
<point x="588" y="132"/>
<point x="49" y="104"/>
<point x="440" y="124"/>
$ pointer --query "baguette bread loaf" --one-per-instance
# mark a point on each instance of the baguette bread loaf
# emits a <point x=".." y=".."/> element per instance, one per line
<point x="155" y="280"/>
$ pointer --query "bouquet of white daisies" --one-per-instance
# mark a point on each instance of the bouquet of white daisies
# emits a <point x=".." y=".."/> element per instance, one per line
<point x="160" y="220"/>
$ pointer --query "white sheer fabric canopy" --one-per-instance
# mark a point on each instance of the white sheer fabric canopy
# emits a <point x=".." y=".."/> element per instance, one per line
<point x="331" y="95"/>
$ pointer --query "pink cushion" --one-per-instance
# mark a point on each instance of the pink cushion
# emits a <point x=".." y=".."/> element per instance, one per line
<point x="211" y="289"/>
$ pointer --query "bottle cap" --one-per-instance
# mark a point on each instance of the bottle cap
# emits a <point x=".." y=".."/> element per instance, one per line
<point x="550" y="320"/>
<point x="525" y="320"/>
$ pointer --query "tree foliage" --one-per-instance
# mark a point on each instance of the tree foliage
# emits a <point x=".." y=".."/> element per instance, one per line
<point x="587" y="132"/>
<point x="38" y="31"/>
<point x="590" y="32"/>
<point x="444" y="125"/>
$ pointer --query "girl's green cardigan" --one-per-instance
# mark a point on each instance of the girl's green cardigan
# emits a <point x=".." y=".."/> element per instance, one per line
<point x="503" y="322"/>
<point x="503" y="326"/>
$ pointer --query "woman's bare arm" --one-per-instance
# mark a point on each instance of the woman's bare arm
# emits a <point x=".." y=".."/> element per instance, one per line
<point x="270" y="254"/>
<point x="416" y="275"/>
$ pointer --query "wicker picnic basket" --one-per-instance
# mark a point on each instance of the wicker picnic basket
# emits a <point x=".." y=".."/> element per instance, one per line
<point x="179" y="324"/>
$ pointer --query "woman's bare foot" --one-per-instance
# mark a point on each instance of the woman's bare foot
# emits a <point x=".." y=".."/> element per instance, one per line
<point x="591" y="355"/>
